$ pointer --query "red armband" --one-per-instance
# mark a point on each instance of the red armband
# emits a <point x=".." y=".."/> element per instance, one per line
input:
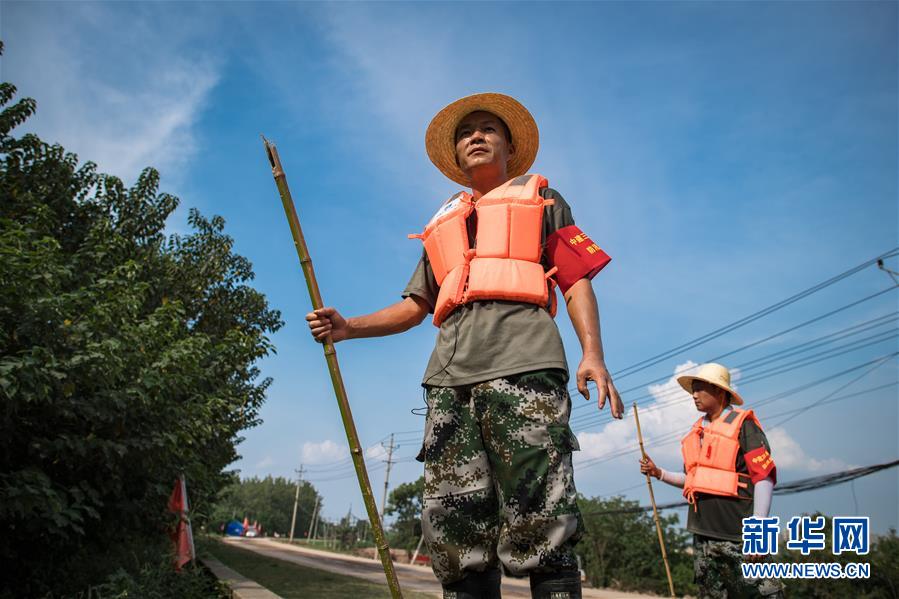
<point x="760" y="465"/>
<point x="575" y="255"/>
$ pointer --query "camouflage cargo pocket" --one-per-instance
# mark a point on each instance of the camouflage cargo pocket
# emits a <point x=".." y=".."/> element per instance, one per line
<point x="562" y="438"/>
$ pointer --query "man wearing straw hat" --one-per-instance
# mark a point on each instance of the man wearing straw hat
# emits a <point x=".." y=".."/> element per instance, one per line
<point x="730" y="475"/>
<point x="499" y="488"/>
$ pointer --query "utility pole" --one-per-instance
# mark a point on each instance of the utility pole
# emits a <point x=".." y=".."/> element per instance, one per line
<point x="296" y="501"/>
<point x="417" y="549"/>
<point x="314" y="518"/>
<point x="349" y="524"/>
<point x="390" y="449"/>
<point x="315" y="525"/>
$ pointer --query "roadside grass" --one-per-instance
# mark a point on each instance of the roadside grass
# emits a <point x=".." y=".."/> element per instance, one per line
<point x="292" y="581"/>
<point x="318" y="544"/>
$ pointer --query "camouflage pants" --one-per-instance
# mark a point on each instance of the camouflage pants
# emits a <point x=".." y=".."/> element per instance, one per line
<point x="499" y="485"/>
<point x="717" y="568"/>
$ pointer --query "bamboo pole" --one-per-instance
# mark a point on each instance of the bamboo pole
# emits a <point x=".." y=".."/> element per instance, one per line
<point x="655" y="511"/>
<point x="334" y="368"/>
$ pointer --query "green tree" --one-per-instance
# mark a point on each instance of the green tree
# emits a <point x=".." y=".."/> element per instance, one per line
<point x="270" y="502"/>
<point x="126" y="358"/>
<point x="405" y="502"/>
<point x="883" y="557"/>
<point x="621" y="548"/>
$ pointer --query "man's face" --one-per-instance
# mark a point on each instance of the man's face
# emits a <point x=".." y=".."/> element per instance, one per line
<point x="481" y="140"/>
<point x="708" y="397"/>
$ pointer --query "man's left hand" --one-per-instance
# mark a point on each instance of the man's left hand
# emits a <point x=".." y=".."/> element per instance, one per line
<point x="593" y="368"/>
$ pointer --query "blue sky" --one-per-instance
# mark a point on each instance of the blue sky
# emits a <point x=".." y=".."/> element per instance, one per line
<point x="726" y="155"/>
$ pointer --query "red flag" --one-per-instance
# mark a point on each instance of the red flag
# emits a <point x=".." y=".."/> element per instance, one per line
<point x="183" y="535"/>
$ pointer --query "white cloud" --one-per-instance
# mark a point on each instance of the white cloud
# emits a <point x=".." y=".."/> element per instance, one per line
<point x="264" y="462"/>
<point x="788" y="454"/>
<point x="114" y="85"/>
<point x="667" y="417"/>
<point x="323" y="452"/>
<point x="375" y="451"/>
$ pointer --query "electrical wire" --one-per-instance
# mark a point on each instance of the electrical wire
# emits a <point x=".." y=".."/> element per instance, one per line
<point x="676" y="395"/>
<point x="669" y="437"/>
<point x="798" y="486"/>
<point x="702" y="339"/>
<point x="811" y="321"/>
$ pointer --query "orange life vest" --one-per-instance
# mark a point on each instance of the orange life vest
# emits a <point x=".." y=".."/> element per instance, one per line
<point x="505" y="262"/>
<point x="710" y="456"/>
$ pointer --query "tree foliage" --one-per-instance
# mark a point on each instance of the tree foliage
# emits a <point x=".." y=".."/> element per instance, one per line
<point x="405" y="502"/>
<point x="621" y="550"/>
<point x="883" y="557"/>
<point x="126" y="357"/>
<point x="268" y="501"/>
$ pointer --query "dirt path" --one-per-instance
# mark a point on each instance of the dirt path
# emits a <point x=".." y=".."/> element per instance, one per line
<point x="413" y="578"/>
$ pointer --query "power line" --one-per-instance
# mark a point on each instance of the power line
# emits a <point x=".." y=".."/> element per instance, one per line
<point x="756" y="377"/>
<point x="672" y="437"/>
<point x="798" y="486"/>
<point x="830" y="395"/>
<point x="811" y="321"/>
<point x="833" y="400"/>
<point x="664" y="439"/>
<point x="849" y="331"/>
<point x="702" y="339"/>
<point x="374" y="468"/>
<point x="674" y="395"/>
<point x="822" y="356"/>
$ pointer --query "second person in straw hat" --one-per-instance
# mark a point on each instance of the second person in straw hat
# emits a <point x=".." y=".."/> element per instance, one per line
<point x="729" y="475"/>
<point x="499" y="487"/>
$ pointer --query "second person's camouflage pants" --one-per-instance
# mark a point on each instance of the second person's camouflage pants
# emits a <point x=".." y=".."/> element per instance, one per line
<point x="716" y="565"/>
<point x="499" y="484"/>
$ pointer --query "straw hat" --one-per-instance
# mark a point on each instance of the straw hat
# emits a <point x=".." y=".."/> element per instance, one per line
<point x="715" y="374"/>
<point x="440" y="137"/>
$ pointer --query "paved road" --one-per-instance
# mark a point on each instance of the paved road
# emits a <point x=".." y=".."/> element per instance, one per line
<point x="413" y="578"/>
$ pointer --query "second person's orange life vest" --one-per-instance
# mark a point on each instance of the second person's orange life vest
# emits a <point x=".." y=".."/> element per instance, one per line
<point x="710" y="456"/>
<point x="505" y="261"/>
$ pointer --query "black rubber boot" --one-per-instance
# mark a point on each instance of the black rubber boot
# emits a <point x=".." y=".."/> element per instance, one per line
<point x="556" y="585"/>
<point x="475" y="585"/>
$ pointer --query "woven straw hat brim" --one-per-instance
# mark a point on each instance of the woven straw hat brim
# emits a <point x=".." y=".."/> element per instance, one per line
<point x="686" y="381"/>
<point x="440" y="136"/>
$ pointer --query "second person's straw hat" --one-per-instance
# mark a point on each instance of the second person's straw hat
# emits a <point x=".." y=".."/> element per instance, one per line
<point x="715" y="374"/>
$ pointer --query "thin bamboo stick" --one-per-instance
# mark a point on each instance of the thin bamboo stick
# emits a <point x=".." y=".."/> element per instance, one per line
<point x="655" y="511"/>
<point x="334" y="368"/>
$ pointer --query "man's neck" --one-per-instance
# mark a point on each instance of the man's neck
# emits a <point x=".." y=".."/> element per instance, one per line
<point x="713" y="417"/>
<point x="484" y="184"/>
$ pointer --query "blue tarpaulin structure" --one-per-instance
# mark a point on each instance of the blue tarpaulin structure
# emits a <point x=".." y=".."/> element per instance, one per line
<point x="234" y="529"/>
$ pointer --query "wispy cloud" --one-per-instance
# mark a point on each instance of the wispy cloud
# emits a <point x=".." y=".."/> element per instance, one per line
<point x="666" y="419"/>
<point x="124" y="110"/>
<point x="264" y="462"/>
<point x="323" y="452"/>
<point x="660" y="420"/>
<point x="788" y="454"/>
<point x="375" y="451"/>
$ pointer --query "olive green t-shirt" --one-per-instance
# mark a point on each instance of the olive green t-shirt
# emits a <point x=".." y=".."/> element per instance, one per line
<point x="489" y="339"/>
<point x="722" y="517"/>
